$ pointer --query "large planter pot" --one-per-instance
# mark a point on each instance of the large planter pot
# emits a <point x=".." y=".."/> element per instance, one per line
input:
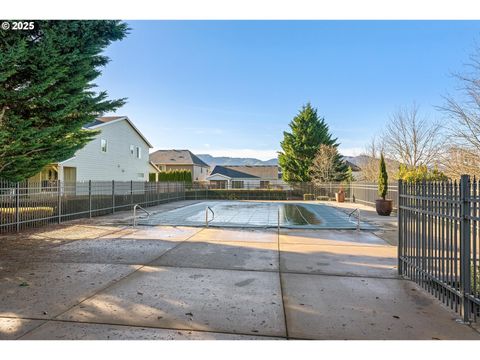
<point x="384" y="207"/>
<point x="340" y="196"/>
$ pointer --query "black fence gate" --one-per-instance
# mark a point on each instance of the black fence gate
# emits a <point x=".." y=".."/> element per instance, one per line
<point x="438" y="241"/>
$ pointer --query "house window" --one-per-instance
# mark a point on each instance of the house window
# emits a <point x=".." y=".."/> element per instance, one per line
<point x="201" y="170"/>
<point x="103" y="145"/>
<point x="132" y="150"/>
<point x="236" y="184"/>
<point x="139" y="152"/>
<point x="264" y="184"/>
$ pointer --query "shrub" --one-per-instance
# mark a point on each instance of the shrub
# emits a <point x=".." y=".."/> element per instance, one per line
<point x="420" y="173"/>
<point x="175" y="175"/>
<point x="7" y="215"/>
<point x="382" y="179"/>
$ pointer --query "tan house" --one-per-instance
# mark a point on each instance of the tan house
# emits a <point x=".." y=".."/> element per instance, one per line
<point x="169" y="160"/>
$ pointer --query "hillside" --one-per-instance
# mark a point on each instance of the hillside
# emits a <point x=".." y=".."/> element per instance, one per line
<point x="224" y="160"/>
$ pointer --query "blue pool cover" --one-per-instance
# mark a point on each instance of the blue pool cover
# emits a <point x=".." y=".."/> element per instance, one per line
<point x="250" y="214"/>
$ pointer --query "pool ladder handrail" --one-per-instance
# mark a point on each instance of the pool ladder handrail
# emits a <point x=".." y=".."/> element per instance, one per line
<point x="206" y="216"/>
<point x="137" y="206"/>
<point x="357" y="210"/>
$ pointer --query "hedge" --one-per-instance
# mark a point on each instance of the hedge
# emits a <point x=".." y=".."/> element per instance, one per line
<point x="175" y="175"/>
<point x="7" y="215"/>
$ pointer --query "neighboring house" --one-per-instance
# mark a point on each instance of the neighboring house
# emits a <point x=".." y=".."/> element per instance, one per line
<point x="269" y="175"/>
<point x="153" y="171"/>
<point x="166" y="160"/>
<point x="223" y="177"/>
<point x="356" y="170"/>
<point x="119" y="152"/>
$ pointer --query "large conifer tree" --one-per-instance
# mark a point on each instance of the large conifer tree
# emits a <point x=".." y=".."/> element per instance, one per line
<point x="47" y="91"/>
<point x="300" y="146"/>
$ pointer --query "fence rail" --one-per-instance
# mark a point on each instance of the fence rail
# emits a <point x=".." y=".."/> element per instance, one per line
<point x="367" y="193"/>
<point x="30" y="204"/>
<point x="438" y="241"/>
<point x="363" y="193"/>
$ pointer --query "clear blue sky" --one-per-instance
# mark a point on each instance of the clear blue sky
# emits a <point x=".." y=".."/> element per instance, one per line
<point x="232" y="87"/>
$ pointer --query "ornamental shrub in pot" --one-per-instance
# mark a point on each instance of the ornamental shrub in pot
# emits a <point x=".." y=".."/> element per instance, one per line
<point x="383" y="206"/>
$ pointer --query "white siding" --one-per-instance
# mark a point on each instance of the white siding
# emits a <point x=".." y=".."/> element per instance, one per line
<point x="199" y="173"/>
<point x="117" y="163"/>
<point x="218" y="177"/>
<point x="248" y="183"/>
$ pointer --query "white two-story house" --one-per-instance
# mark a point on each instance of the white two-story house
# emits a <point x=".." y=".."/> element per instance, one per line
<point x="119" y="152"/>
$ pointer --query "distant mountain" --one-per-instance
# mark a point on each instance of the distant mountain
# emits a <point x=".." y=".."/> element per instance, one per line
<point x="224" y="160"/>
<point x="357" y="160"/>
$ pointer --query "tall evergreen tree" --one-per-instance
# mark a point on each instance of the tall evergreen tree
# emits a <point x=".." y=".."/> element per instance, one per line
<point x="382" y="178"/>
<point x="47" y="91"/>
<point x="300" y="146"/>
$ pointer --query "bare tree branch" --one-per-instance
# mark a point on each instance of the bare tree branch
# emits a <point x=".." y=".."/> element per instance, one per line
<point x="411" y="139"/>
<point x="463" y="111"/>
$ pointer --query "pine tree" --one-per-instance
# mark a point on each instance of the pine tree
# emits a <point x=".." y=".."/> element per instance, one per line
<point x="47" y="91"/>
<point x="300" y="146"/>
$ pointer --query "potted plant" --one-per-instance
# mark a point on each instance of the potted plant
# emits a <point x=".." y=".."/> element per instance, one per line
<point x="340" y="195"/>
<point x="384" y="207"/>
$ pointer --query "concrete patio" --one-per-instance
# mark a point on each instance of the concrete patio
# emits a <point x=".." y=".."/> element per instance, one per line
<point x="99" y="281"/>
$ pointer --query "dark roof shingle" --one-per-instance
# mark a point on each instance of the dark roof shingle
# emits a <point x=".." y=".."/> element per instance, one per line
<point x="172" y="157"/>
<point x="261" y="171"/>
<point x="234" y="174"/>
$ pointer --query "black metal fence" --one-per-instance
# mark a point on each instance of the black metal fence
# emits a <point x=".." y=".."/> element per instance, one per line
<point x="360" y="192"/>
<point x="198" y="191"/>
<point x="367" y="193"/>
<point x="31" y="204"/>
<point x="438" y="241"/>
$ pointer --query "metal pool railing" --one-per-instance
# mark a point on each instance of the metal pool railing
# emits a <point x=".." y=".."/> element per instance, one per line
<point x="33" y="204"/>
<point x="207" y="209"/>
<point x="438" y="241"/>
<point x="357" y="210"/>
<point x="135" y="213"/>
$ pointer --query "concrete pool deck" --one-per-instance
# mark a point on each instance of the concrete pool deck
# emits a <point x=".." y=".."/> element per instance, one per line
<point x="104" y="280"/>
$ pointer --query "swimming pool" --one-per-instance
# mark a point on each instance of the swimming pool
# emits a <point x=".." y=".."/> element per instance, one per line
<point x="251" y="214"/>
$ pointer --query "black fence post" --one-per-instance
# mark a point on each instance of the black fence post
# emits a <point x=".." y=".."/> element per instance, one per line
<point x="17" y="206"/>
<point x="131" y="192"/>
<point x="423" y="222"/>
<point x="113" y="196"/>
<point x="90" y="198"/>
<point x="465" y="262"/>
<point x="59" y="201"/>
<point x="400" y="229"/>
